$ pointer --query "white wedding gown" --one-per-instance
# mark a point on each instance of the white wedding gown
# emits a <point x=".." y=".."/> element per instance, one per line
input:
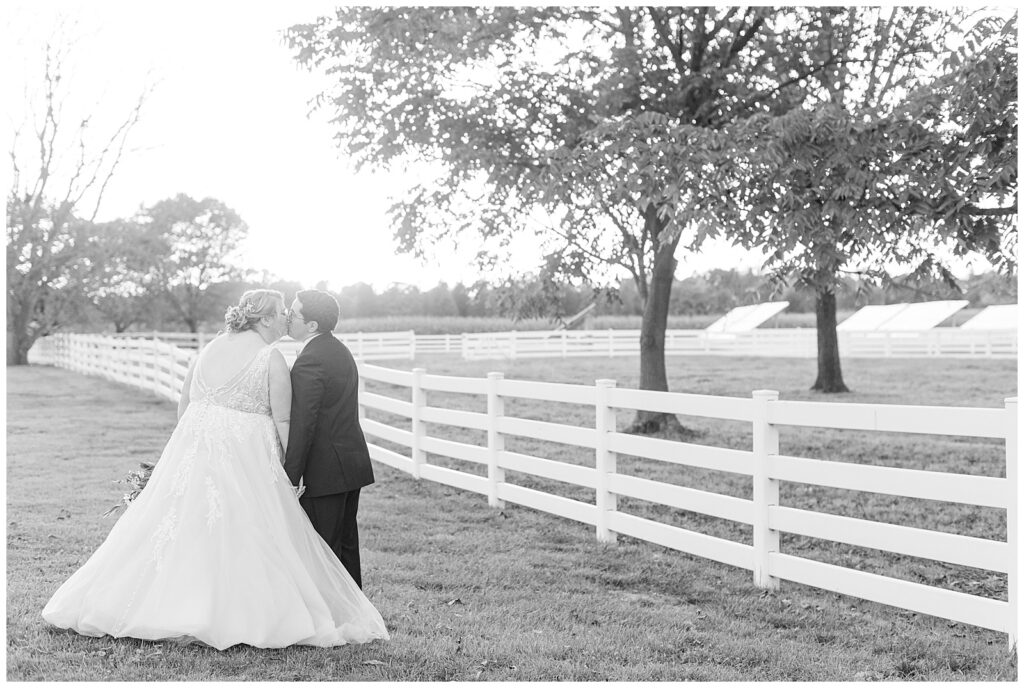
<point x="216" y="548"/>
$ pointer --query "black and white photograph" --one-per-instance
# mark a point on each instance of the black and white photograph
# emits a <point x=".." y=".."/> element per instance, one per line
<point x="543" y="343"/>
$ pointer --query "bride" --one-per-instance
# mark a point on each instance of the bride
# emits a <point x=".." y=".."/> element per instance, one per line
<point x="216" y="548"/>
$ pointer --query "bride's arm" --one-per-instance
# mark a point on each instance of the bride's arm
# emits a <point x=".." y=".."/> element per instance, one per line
<point x="183" y="399"/>
<point x="280" y="396"/>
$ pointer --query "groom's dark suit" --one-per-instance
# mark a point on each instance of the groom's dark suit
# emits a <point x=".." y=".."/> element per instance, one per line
<point x="326" y="446"/>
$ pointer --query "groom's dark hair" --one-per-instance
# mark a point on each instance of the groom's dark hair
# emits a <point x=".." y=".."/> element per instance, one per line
<point x="319" y="306"/>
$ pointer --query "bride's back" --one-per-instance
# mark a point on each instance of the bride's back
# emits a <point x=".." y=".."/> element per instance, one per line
<point x="225" y="357"/>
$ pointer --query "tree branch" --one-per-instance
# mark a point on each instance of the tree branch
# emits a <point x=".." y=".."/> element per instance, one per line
<point x="900" y="53"/>
<point x="765" y="95"/>
<point x="989" y="212"/>
<point x="122" y="133"/>
<point x="720" y="24"/>
<point x="883" y="41"/>
<point x="700" y="41"/>
<point x="741" y="42"/>
<point x="629" y="241"/>
<point x="666" y="40"/>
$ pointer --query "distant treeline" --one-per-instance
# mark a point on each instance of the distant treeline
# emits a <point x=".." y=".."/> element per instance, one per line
<point x="713" y="292"/>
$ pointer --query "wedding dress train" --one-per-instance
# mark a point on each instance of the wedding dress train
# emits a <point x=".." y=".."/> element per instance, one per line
<point x="216" y="548"/>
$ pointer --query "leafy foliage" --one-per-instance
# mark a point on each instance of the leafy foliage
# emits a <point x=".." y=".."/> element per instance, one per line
<point x="610" y="125"/>
<point x="199" y="239"/>
<point x="859" y="184"/>
<point x="121" y="281"/>
<point x="890" y="165"/>
<point x="595" y="117"/>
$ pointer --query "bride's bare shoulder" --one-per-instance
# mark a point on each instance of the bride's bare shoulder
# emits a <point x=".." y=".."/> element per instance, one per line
<point x="228" y="345"/>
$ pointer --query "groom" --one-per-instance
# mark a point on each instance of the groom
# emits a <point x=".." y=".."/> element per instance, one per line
<point x="326" y="446"/>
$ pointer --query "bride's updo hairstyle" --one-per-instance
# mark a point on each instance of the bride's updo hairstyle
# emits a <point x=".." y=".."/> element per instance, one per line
<point x="254" y="304"/>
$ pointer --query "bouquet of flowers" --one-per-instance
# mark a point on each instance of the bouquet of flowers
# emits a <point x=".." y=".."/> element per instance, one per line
<point x="134" y="481"/>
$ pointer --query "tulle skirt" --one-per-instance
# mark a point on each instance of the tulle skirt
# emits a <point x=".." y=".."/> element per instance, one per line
<point x="216" y="549"/>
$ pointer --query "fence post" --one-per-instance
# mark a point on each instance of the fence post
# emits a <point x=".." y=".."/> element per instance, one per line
<point x="607" y="501"/>
<point x="495" y="440"/>
<point x="170" y="377"/>
<point x="611" y="343"/>
<point x="360" y="393"/>
<point x="766" y="490"/>
<point x="412" y="344"/>
<point x="156" y="377"/>
<point x="512" y="342"/>
<point x="419" y="400"/>
<point x="1011" y="521"/>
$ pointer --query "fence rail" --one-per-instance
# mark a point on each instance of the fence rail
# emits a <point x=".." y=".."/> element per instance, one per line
<point x="776" y="342"/>
<point x="160" y="367"/>
<point x="366" y="345"/>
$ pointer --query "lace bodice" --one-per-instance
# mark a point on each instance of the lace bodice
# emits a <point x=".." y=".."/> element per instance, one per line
<point x="248" y="390"/>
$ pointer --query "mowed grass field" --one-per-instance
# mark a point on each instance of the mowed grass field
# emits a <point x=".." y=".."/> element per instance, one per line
<point x="474" y="593"/>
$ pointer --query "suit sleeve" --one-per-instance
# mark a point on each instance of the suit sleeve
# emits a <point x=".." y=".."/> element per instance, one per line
<point x="307" y="396"/>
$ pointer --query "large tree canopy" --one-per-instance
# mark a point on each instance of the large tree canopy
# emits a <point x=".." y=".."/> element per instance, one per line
<point x="606" y="121"/>
<point x="892" y="166"/>
<point x="199" y="238"/>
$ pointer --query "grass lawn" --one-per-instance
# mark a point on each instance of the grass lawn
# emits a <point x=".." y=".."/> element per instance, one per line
<point x="471" y="593"/>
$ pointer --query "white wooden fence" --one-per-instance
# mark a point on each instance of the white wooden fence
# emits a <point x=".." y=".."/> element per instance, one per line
<point x="160" y="367"/>
<point x="763" y="463"/>
<point x="149" y="364"/>
<point x="781" y="342"/>
<point x="367" y="345"/>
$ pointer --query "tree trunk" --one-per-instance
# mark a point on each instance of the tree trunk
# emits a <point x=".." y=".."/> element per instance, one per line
<point x="830" y="375"/>
<point x="19" y="340"/>
<point x="17" y="348"/>
<point x="652" y="344"/>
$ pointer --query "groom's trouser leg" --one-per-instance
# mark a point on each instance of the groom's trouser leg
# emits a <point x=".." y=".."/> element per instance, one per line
<point x="334" y="519"/>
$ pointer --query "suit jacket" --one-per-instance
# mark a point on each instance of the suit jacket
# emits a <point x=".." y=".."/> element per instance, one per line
<point x="326" y="446"/>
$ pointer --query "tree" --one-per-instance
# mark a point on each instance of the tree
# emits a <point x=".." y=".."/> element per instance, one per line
<point x="199" y="239"/>
<point x="358" y="300"/>
<point x="460" y="297"/>
<point x="60" y="173"/>
<point x="872" y="175"/>
<point x="438" y="301"/>
<point x="400" y="299"/>
<point x="608" y="121"/>
<point x="122" y="260"/>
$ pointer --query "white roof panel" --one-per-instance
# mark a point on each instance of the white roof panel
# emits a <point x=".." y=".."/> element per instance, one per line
<point x="922" y="316"/>
<point x="1002" y="317"/>
<point x="745" y="318"/>
<point x="869" y="318"/>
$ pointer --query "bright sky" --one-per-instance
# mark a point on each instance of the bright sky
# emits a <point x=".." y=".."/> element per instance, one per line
<point x="228" y="119"/>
